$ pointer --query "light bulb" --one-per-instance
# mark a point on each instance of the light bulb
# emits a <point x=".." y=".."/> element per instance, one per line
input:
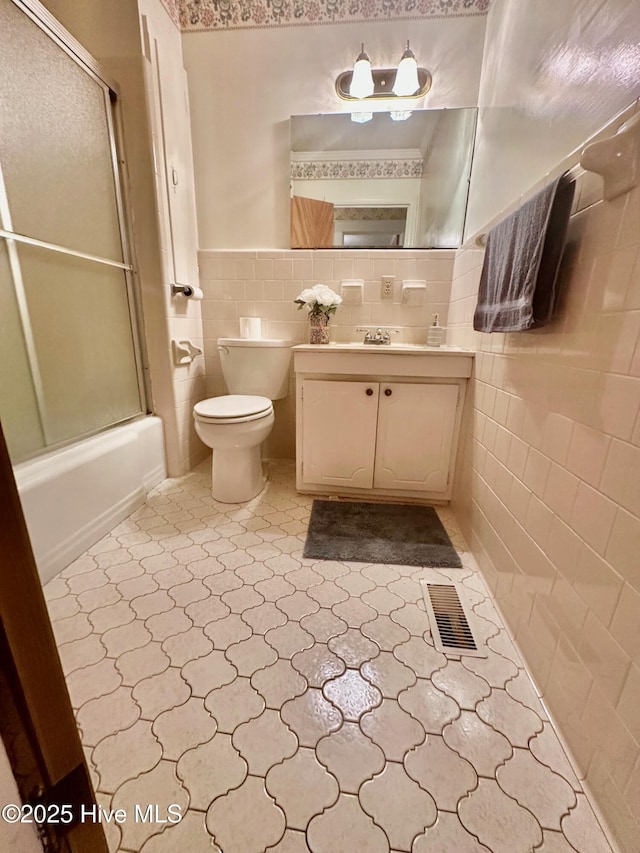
<point x="406" y="82"/>
<point x="361" y="79"/>
<point x="400" y="115"/>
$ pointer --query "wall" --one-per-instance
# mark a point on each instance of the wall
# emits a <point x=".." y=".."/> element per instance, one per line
<point x="245" y="84"/>
<point x="139" y="48"/>
<point x="168" y="103"/>
<point x="547" y="494"/>
<point x="264" y="284"/>
<point x="551" y="76"/>
<point x="445" y="182"/>
<point x="547" y="489"/>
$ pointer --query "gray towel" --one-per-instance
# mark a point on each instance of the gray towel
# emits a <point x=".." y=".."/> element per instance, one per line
<point x="518" y="282"/>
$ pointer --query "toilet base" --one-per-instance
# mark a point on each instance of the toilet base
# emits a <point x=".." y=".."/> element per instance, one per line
<point x="236" y="475"/>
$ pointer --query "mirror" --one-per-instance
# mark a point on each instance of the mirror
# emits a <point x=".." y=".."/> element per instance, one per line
<point x="383" y="183"/>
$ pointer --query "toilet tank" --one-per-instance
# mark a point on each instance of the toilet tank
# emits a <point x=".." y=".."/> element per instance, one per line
<point x="258" y="367"/>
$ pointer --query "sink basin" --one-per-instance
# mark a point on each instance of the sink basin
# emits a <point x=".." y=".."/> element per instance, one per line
<point x="388" y="349"/>
<point x="393" y="347"/>
<point x="359" y="346"/>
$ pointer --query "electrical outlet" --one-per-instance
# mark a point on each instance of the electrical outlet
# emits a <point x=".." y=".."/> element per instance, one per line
<point x="387" y="282"/>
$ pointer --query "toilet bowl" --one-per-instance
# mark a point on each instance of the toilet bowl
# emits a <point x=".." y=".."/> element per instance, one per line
<point x="235" y="425"/>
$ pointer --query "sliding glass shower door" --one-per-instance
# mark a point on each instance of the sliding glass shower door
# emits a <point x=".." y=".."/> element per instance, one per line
<point x="70" y="362"/>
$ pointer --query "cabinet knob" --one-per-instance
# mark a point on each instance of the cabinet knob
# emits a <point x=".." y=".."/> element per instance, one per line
<point x="388" y="392"/>
<point x="369" y="392"/>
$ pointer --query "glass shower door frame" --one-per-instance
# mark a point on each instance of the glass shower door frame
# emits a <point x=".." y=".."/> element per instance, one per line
<point x="53" y="29"/>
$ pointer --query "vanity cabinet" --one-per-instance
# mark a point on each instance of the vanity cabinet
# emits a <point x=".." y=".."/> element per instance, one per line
<point x="378" y="434"/>
<point x="339" y="434"/>
<point x="381" y="435"/>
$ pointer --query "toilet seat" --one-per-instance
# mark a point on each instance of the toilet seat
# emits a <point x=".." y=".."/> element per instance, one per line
<point x="233" y="409"/>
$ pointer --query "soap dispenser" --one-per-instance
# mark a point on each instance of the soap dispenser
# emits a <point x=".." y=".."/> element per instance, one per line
<point x="435" y="333"/>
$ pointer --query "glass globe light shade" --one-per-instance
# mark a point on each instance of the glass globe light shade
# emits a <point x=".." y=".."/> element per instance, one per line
<point x="406" y="82"/>
<point x="362" y="79"/>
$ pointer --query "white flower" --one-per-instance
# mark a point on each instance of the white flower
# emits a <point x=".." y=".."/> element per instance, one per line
<point x="307" y="296"/>
<point x="319" y="299"/>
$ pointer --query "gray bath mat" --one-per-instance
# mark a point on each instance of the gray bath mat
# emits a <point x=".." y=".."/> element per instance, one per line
<point x="379" y="533"/>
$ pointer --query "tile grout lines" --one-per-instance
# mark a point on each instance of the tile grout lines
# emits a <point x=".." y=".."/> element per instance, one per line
<point x="211" y="665"/>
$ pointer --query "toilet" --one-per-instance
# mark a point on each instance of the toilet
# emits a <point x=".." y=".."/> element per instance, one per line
<point x="234" y="426"/>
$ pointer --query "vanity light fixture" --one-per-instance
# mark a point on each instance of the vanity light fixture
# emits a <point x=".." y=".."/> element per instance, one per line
<point x="364" y="84"/>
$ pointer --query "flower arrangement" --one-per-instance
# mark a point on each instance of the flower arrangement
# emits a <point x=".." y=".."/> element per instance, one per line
<point x="319" y="299"/>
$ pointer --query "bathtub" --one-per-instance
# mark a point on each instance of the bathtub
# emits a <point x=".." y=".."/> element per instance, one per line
<point x="73" y="496"/>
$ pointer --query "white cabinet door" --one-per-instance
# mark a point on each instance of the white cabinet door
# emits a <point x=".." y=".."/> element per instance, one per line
<point x="415" y="433"/>
<point x="339" y="432"/>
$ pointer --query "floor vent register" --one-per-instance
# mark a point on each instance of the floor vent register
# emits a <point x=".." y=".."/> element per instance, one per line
<point x="450" y="621"/>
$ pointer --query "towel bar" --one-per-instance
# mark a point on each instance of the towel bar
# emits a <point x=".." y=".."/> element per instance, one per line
<point x="575" y="173"/>
<point x="616" y="159"/>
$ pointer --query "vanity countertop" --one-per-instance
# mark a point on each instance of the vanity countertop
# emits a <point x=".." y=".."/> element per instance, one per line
<point x="384" y="349"/>
<point x="383" y="360"/>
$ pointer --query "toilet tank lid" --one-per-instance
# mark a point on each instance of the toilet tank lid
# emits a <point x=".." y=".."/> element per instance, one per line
<point x="251" y="342"/>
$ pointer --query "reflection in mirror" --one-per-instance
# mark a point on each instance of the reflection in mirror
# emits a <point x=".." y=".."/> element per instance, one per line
<point x="369" y="227"/>
<point x="383" y="184"/>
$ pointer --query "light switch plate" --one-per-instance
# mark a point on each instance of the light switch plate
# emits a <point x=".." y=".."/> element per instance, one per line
<point x="386" y="286"/>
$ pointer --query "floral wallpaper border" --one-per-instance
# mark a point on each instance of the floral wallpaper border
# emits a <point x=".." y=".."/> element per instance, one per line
<point x="327" y="170"/>
<point x="203" y="15"/>
<point x="377" y="214"/>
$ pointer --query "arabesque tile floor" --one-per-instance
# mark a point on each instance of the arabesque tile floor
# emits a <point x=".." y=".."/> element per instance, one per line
<point x="288" y="704"/>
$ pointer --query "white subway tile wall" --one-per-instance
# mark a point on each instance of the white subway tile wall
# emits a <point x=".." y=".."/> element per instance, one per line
<point x="548" y="493"/>
<point x="265" y="283"/>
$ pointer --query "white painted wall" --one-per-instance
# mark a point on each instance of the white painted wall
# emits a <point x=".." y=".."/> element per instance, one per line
<point x="245" y="84"/>
<point x="552" y="75"/>
<point x="445" y="182"/>
<point x="167" y="102"/>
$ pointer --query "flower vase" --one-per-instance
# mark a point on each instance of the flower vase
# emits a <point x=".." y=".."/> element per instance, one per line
<point x="319" y="328"/>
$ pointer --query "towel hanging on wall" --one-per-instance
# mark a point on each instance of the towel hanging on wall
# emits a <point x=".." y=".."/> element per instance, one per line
<point x="518" y="282"/>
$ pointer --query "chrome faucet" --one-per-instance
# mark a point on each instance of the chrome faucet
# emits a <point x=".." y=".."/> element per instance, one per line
<point x="379" y="337"/>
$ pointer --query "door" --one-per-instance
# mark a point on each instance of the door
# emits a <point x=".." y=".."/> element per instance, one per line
<point x="168" y="98"/>
<point x="37" y="724"/>
<point x="311" y="223"/>
<point x="415" y="434"/>
<point x="339" y="432"/>
<point x="69" y="349"/>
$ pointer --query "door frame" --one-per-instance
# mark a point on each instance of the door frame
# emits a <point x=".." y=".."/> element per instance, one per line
<point x="37" y="723"/>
